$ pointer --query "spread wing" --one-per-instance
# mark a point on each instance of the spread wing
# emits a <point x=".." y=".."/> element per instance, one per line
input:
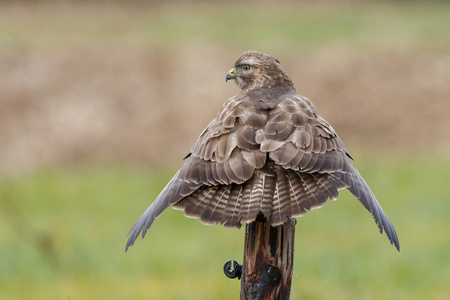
<point x="296" y="138"/>
<point x="225" y="153"/>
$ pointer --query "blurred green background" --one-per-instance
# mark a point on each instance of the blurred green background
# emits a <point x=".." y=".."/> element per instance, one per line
<point x="99" y="102"/>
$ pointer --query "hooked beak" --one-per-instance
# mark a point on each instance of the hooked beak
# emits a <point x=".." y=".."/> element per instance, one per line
<point x="231" y="75"/>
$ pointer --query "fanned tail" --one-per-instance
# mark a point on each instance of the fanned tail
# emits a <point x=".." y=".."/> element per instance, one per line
<point x="277" y="193"/>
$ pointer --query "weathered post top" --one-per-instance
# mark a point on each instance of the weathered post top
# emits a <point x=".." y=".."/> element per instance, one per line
<point x="268" y="260"/>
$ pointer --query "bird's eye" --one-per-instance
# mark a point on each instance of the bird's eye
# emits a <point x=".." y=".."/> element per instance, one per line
<point x="245" y="67"/>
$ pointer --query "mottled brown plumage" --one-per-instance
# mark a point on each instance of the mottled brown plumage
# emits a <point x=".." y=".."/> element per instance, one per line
<point x="268" y="152"/>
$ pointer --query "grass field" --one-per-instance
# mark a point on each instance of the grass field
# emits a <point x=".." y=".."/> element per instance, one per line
<point x="63" y="236"/>
<point x="99" y="99"/>
<point x="279" y="27"/>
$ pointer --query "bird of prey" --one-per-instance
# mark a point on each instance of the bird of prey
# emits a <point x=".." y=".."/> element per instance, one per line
<point x="267" y="152"/>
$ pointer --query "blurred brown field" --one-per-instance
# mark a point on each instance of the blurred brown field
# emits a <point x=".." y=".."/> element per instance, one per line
<point x="113" y="83"/>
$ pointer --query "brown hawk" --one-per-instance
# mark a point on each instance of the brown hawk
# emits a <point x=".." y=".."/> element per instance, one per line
<point x="267" y="152"/>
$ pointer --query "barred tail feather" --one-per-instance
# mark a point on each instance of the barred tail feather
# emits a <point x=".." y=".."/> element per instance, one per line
<point x="251" y="200"/>
<point x="268" y="187"/>
<point x="281" y="205"/>
<point x="195" y="204"/>
<point x="231" y="216"/>
<point x="214" y="214"/>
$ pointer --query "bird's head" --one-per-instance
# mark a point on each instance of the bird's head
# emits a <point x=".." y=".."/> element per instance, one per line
<point x="254" y="70"/>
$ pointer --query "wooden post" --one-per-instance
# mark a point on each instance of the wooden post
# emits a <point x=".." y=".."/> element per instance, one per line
<point x="268" y="260"/>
